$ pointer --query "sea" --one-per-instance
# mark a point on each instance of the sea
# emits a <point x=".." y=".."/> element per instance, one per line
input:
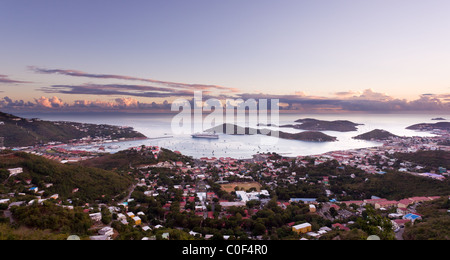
<point x="157" y="127"/>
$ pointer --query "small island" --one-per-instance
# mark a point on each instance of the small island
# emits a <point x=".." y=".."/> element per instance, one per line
<point x="438" y="119"/>
<point x="322" y="125"/>
<point x="308" y="136"/>
<point x="375" y="135"/>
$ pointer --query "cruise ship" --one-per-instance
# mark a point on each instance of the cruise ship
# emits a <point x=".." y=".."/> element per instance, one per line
<point x="206" y="136"/>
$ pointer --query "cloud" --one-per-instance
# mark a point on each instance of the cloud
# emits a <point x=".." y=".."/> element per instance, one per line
<point x="116" y="90"/>
<point x="5" y="80"/>
<point x="166" y="84"/>
<point x="367" y="101"/>
<point x="53" y="102"/>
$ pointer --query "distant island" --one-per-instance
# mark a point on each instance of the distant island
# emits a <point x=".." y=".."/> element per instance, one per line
<point x="376" y="134"/>
<point x="439" y="119"/>
<point x="308" y="136"/>
<point x="430" y="127"/>
<point x="20" y="132"/>
<point x="322" y="125"/>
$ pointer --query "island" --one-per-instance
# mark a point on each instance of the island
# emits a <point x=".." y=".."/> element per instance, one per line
<point x="430" y="127"/>
<point x="438" y="119"/>
<point x="308" y="136"/>
<point x="21" y="132"/>
<point x="322" y="125"/>
<point x="377" y="134"/>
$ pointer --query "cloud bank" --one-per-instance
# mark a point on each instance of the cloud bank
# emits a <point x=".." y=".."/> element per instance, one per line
<point x="165" y="84"/>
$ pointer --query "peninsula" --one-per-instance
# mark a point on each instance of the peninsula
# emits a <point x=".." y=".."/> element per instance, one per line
<point x="308" y="136"/>
<point x="19" y="132"/>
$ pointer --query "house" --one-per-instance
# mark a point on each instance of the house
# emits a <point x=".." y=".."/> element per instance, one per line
<point x="312" y="208"/>
<point x="386" y="204"/>
<point x="137" y="221"/>
<point x="340" y="226"/>
<point x="96" y="217"/>
<point x="15" y="171"/>
<point x="302" y="228"/>
<point x="121" y="216"/>
<point x="34" y="189"/>
<point x="130" y="214"/>
<point x="412" y="217"/>
<point x="106" y="231"/>
<point x="404" y="203"/>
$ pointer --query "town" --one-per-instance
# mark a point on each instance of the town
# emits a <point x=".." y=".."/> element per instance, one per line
<point x="265" y="197"/>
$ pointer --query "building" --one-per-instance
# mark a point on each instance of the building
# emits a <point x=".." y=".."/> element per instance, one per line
<point x="312" y="208"/>
<point x="404" y="203"/>
<point x="302" y="228"/>
<point x="412" y="217"/>
<point x="137" y="220"/>
<point x="14" y="171"/>
<point x="96" y="217"/>
<point x="386" y="204"/>
<point x="106" y="231"/>
<point x="304" y="200"/>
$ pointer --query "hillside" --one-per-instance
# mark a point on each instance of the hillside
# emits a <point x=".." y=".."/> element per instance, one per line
<point x="430" y="127"/>
<point x="321" y="125"/>
<point x="376" y="134"/>
<point x="309" y="136"/>
<point x="123" y="160"/>
<point x="92" y="183"/>
<point x="19" y="132"/>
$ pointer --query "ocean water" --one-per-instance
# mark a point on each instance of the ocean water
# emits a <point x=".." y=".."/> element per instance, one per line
<point x="157" y="127"/>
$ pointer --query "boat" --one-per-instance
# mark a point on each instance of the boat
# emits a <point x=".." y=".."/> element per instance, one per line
<point x="206" y="136"/>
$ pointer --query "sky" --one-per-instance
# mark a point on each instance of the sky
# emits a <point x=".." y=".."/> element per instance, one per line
<point x="329" y="55"/>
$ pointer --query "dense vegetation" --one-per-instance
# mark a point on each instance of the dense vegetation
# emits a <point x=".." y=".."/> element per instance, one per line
<point x="435" y="224"/>
<point x="92" y="183"/>
<point x="431" y="159"/>
<point x="392" y="185"/>
<point x="52" y="217"/>
<point x="124" y="160"/>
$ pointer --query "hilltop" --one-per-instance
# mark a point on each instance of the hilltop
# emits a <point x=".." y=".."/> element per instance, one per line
<point x="376" y="134"/>
<point x="309" y="136"/>
<point x="20" y="132"/>
<point x="322" y="125"/>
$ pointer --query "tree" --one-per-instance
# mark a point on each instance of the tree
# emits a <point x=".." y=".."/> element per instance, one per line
<point x="259" y="229"/>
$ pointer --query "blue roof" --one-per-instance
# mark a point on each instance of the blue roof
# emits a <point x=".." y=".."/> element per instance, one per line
<point x="411" y="216"/>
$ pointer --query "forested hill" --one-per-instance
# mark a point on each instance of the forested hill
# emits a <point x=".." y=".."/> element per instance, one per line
<point x="19" y="132"/>
<point x="74" y="182"/>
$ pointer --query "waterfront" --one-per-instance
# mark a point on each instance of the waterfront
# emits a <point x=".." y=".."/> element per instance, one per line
<point x="157" y="127"/>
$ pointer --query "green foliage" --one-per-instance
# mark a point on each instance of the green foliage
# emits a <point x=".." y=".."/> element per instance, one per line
<point x="93" y="183"/>
<point x="435" y="224"/>
<point x="52" y="217"/>
<point x="432" y="159"/>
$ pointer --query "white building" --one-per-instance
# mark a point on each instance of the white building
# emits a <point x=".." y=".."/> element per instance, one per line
<point x="106" y="231"/>
<point x="96" y="216"/>
<point x="15" y="171"/>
